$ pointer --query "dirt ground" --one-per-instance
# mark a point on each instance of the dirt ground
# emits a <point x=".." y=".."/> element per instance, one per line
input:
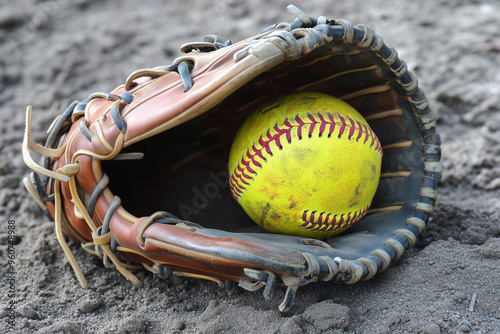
<point x="55" y="51"/>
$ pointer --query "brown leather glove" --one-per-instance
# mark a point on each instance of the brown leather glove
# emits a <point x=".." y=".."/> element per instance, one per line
<point x="161" y="141"/>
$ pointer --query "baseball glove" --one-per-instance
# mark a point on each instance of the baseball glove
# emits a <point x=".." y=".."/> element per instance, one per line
<point x="161" y="142"/>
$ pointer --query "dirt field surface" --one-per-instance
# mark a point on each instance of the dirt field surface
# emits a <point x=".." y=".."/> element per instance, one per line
<point x="55" y="51"/>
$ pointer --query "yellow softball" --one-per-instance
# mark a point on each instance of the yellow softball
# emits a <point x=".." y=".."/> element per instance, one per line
<point x="305" y="164"/>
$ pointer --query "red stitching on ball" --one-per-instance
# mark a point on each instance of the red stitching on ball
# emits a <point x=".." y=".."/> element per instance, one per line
<point x="246" y="168"/>
<point x="360" y="133"/>
<point x="342" y="127"/>
<point x="325" y="222"/>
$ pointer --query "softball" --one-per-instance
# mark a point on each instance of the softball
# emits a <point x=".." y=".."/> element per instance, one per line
<point x="305" y="164"/>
